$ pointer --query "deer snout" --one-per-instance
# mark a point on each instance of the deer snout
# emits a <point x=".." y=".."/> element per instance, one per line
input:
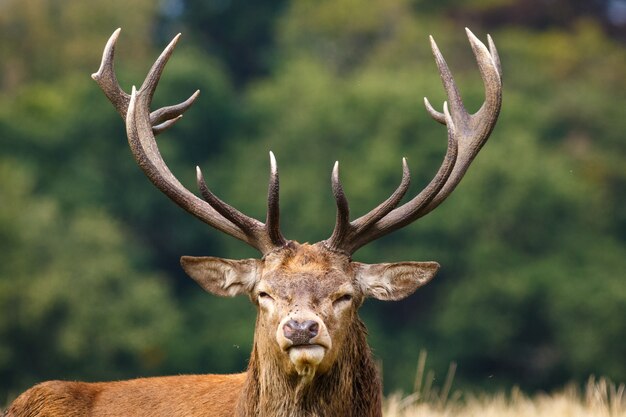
<point x="305" y="340"/>
<point x="300" y="333"/>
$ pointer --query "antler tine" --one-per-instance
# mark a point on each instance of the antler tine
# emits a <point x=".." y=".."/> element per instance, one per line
<point x="267" y="235"/>
<point x="230" y="213"/>
<point x="494" y="55"/>
<point x="161" y="119"/>
<point x="344" y="229"/>
<point x="141" y="128"/>
<point x="143" y="146"/>
<point x="467" y="134"/>
<point x="388" y="205"/>
<point x="396" y="218"/>
<point x="342" y="224"/>
<point x="475" y="129"/>
<point x="413" y="209"/>
<point x="165" y="117"/>
<point x="272" y="222"/>
<point x="107" y="80"/>
<point x="452" y="91"/>
<point x="154" y="75"/>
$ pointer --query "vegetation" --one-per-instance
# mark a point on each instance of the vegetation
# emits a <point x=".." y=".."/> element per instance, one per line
<point x="532" y="242"/>
<point x="599" y="399"/>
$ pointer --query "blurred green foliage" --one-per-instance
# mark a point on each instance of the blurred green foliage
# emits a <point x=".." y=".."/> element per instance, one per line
<point x="532" y="242"/>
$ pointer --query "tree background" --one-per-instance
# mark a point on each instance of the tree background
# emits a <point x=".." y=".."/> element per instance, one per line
<point x="533" y="242"/>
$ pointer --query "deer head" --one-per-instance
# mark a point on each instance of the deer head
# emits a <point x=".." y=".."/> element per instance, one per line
<point x="307" y="295"/>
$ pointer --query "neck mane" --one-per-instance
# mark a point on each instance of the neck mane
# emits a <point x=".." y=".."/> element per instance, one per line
<point x="351" y="388"/>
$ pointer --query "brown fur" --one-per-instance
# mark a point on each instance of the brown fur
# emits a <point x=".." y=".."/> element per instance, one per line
<point x="298" y="282"/>
<point x="308" y="275"/>
<point x="350" y="389"/>
<point x="175" y="396"/>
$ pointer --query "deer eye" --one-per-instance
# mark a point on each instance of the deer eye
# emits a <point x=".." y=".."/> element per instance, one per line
<point x="342" y="299"/>
<point x="265" y="296"/>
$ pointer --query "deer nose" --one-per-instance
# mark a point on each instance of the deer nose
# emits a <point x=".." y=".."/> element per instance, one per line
<point x="300" y="333"/>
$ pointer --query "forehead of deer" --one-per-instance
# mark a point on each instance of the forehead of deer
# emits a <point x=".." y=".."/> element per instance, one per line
<point x="299" y="262"/>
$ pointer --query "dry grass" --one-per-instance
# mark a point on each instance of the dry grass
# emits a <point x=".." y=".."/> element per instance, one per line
<point x="599" y="398"/>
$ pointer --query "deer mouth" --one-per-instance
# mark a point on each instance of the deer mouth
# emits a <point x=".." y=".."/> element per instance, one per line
<point x="306" y="347"/>
<point x="306" y="358"/>
<point x="307" y="350"/>
<point x="305" y="341"/>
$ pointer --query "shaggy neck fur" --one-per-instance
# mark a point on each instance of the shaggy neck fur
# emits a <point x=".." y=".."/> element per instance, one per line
<point x="351" y="388"/>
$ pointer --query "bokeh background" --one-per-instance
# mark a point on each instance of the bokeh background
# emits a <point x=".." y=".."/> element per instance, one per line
<point x="533" y="242"/>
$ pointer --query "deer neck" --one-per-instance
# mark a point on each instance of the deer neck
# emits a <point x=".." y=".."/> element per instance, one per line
<point x="350" y="388"/>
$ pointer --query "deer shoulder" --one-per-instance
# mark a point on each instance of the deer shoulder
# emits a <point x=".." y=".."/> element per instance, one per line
<point x="212" y="395"/>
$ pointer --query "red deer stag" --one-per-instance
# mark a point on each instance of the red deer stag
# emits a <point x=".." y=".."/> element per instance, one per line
<point x="310" y="355"/>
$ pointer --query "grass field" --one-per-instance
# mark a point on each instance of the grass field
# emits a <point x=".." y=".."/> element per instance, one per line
<point x="599" y="398"/>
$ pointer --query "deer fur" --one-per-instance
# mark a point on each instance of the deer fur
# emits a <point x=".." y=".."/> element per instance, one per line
<point x="192" y="395"/>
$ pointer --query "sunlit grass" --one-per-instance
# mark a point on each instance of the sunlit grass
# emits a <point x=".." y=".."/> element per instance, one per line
<point x="599" y="398"/>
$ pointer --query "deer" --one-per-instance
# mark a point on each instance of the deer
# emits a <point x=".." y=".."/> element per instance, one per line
<point x="310" y="355"/>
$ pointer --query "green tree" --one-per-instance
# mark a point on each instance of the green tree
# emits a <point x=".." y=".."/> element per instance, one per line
<point x="74" y="300"/>
<point x="240" y="33"/>
<point x="47" y="39"/>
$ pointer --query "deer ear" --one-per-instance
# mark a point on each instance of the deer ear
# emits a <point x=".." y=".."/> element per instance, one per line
<point x="223" y="277"/>
<point x="394" y="281"/>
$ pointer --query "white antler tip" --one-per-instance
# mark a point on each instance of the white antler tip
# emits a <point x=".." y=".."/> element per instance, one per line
<point x="113" y="37"/>
<point x="272" y="162"/>
<point x="405" y="167"/>
<point x="405" y="164"/>
<point x="474" y="41"/>
<point x="433" y="113"/>
<point x="436" y="51"/>
<point x="470" y="34"/>
<point x="107" y="56"/>
<point x="169" y="48"/>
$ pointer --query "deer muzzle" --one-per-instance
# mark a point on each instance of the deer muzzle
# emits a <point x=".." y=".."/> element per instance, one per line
<point x="305" y="339"/>
<point x="300" y="333"/>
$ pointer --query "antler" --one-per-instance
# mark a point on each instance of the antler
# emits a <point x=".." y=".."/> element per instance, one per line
<point x="467" y="133"/>
<point x="142" y="126"/>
